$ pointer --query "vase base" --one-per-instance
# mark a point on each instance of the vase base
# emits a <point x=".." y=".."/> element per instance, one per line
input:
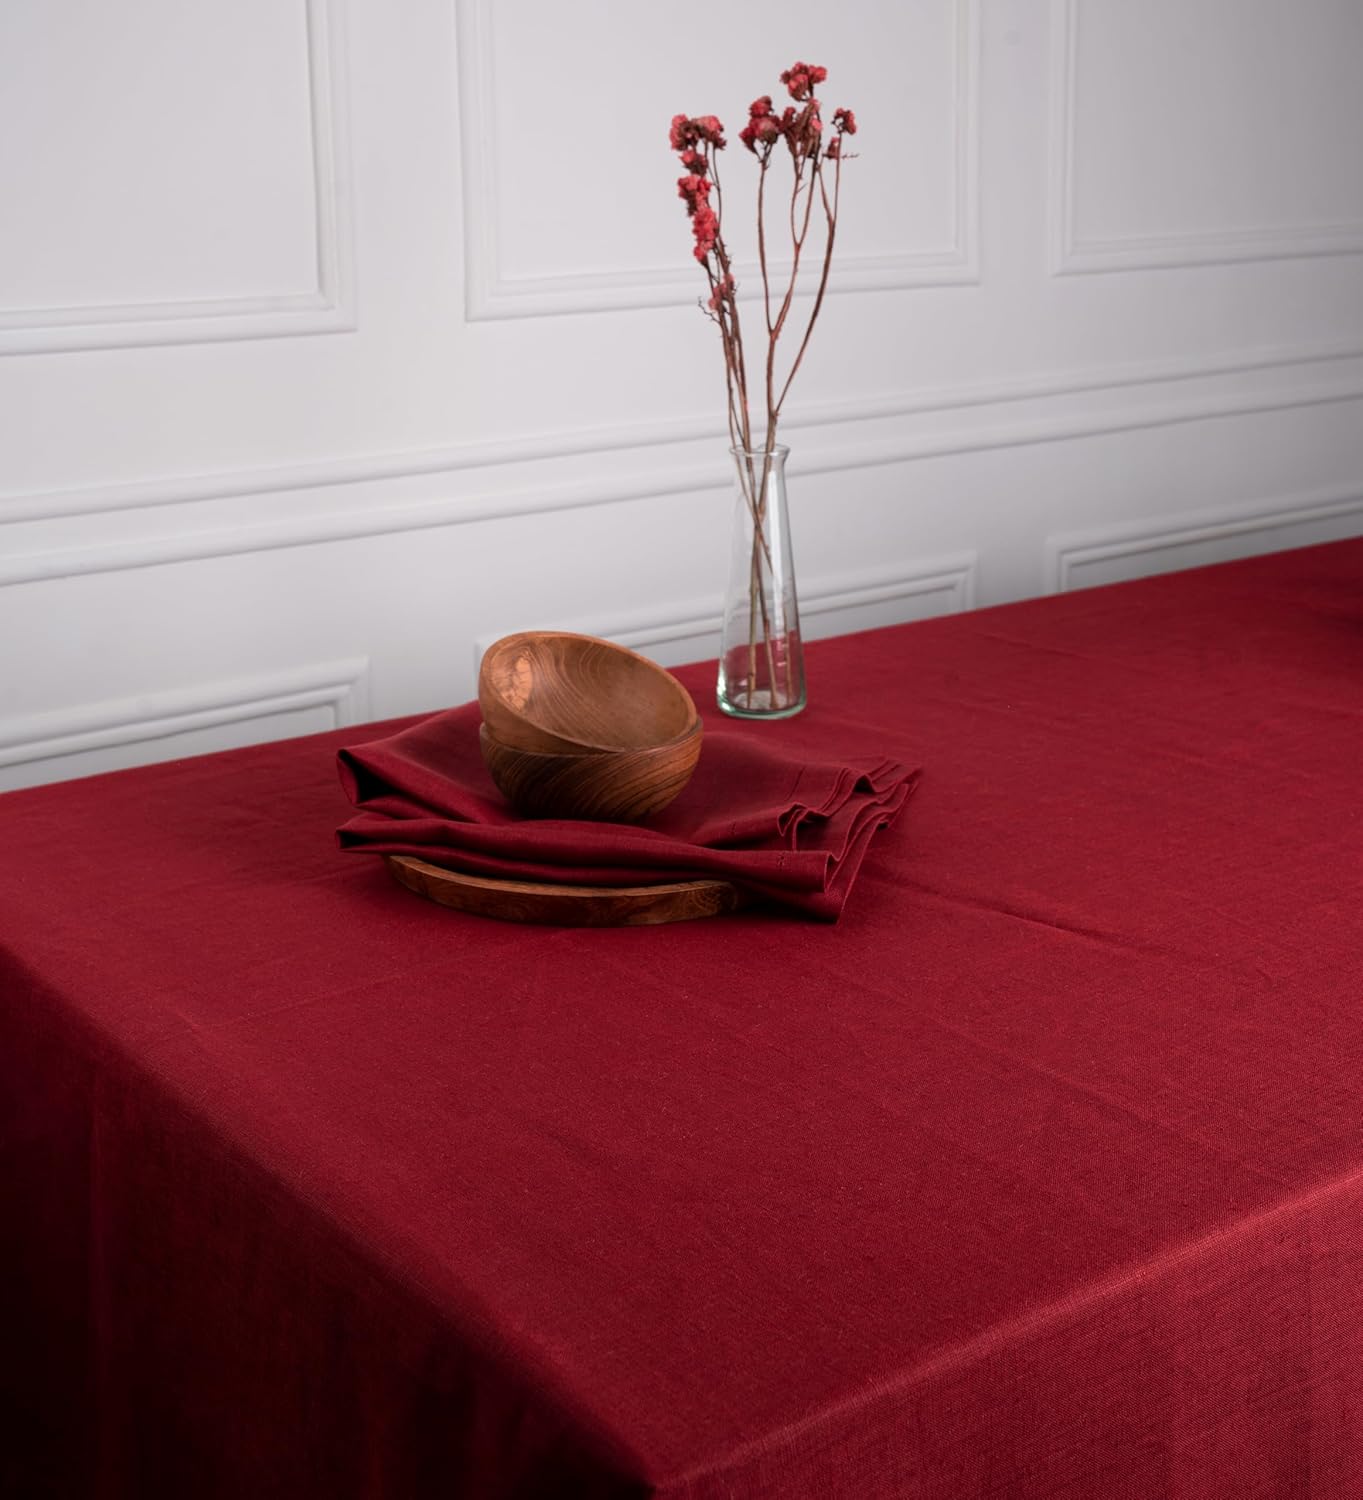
<point x="759" y="706"/>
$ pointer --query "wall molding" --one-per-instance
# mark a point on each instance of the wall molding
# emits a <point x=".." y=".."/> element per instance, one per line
<point x="185" y="543"/>
<point x="54" y="505"/>
<point x="341" y="686"/>
<point x="490" y="294"/>
<point x="1072" y="254"/>
<point x="1068" y="555"/>
<point x="953" y="579"/>
<point x="326" y="308"/>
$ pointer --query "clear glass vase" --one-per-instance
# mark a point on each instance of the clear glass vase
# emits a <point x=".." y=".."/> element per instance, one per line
<point x="761" y="658"/>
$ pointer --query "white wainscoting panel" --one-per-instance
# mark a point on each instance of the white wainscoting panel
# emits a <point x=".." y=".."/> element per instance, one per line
<point x="1140" y="549"/>
<point x="172" y="181"/>
<point x="217" y="528"/>
<point x="188" y="721"/>
<point x="535" y="245"/>
<point x="1192" y="132"/>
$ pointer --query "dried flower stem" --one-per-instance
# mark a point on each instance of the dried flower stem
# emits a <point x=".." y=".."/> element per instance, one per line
<point x="698" y="139"/>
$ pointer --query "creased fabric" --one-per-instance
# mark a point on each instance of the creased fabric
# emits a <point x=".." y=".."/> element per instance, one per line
<point x="790" y="829"/>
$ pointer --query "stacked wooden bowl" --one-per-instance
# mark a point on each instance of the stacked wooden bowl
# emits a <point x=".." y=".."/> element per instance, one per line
<point x="576" y="727"/>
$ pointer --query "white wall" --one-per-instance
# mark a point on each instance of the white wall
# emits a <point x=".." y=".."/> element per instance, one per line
<point x="337" y="336"/>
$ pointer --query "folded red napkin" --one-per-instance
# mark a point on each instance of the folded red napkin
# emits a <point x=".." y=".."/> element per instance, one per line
<point x="790" y="830"/>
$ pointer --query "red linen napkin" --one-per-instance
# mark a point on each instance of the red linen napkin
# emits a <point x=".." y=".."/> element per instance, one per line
<point x="790" y="830"/>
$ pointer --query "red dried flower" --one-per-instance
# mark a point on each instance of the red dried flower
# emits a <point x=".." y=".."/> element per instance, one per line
<point x="800" y="79"/>
<point x="705" y="227"/>
<point x="688" y="132"/>
<point x="802" y="128"/>
<point x="845" y="120"/>
<point x="693" y="161"/>
<point x="762" y="125"/>
<point x="695" y="189"/>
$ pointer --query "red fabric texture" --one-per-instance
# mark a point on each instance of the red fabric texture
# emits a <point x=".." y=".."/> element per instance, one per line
<point x="787" y="828"/>
<point x="1038" y="1174"/>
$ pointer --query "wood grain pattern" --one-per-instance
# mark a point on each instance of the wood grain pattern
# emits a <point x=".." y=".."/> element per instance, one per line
<point x="622" y="786"/>
<point x="557" y="692"/>
<point x="566" y="905"/>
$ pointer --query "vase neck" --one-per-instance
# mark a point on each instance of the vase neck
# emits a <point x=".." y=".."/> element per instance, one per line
<point x="760" y="466"/>
<point x="778" y="452"/>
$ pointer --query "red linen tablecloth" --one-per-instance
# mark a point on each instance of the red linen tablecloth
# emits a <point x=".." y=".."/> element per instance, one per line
<point x="1039" y="1175"/>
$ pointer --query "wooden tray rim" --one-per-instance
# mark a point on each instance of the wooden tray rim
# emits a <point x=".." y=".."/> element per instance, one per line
<point x="485" y="895"/>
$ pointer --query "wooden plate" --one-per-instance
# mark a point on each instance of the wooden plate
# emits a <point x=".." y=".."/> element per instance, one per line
<point x="567" y="905"/>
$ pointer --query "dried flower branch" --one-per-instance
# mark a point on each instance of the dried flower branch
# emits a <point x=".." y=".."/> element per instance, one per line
<point x="699" y="139"/>
<point x="800" y="126"/>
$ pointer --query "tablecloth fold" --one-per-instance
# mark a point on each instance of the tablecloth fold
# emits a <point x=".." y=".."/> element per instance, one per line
<point x="786" y="828"/>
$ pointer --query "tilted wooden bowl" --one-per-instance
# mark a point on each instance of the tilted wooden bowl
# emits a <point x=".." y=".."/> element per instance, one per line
<point x="551" y="691"/>
<point x="619" y="786"/>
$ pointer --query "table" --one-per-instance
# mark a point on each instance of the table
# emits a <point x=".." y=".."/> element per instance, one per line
<point x="1040" y="1174"/>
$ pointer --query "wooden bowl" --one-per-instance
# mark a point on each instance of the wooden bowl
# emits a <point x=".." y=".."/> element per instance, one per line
<point x="618" y="786"/>
<point x="551" y="691"/>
